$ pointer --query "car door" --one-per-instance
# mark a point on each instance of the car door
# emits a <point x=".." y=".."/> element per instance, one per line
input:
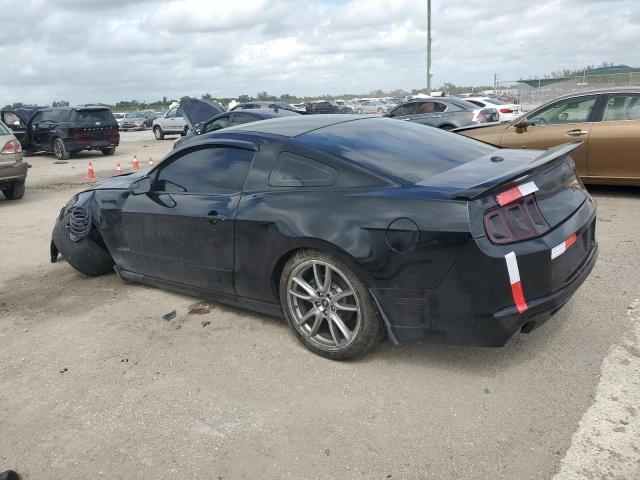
<point x="46" y="125"/>
<point x="17" y="126"/>
<point x="427" y="114"/>
<point x="560" y="122"/>
<point x="34" y="126"/>
<point x="614" y="143"/>
<point x="182" y="231"/>
<point x="170" y="122"/>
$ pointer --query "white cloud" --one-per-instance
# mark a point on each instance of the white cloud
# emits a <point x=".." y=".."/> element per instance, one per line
<point x="97" y="50"/>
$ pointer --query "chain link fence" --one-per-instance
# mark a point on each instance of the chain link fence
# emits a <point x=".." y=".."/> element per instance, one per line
<point x="536" y="92"/>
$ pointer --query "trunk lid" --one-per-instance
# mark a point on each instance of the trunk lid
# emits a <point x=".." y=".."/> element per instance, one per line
<point x="551" y="174"/>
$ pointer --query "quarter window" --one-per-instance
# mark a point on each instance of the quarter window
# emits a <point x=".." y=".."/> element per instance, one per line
<point x="572" y="110"/>
<point x="293" y="170"/>
<point x="209" y="170"/>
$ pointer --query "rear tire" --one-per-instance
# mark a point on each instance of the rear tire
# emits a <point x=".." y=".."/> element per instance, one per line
<point x="338" y="318"/>
<point x="157" y="131"/>
<point x="59" y="150"/>
<point x="447" y="127"/>
<point x="15" y="191"/>
<point x="108" y="150"/>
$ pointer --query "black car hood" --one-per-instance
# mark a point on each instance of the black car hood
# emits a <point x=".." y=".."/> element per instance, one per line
<point x="195" y="111"/>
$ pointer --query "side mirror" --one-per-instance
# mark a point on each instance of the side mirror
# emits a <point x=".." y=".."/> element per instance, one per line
<point x="521" y="125"/>
<point x="140" y="186"/>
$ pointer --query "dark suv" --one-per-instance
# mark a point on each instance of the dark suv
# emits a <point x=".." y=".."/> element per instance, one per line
<point x="64" y="130"/>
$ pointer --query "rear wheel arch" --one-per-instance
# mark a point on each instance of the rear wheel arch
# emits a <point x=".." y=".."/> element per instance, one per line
<point x="322" y="246"/>
<point x="447" y="126"/>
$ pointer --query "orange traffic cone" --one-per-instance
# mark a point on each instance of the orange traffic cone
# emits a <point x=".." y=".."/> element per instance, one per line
<point x="150" y="162"/>
<point x="118" y="169"/>
<point x="91" y="175"/>
<point x="135" y="166"/>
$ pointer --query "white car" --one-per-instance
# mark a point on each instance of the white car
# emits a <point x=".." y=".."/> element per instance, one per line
<point x="169" y="124"/>
<point x="506" y="111"/>
<point x="119" y="116"/>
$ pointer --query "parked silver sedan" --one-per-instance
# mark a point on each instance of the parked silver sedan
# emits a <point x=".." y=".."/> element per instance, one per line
<point x="371" y="106"/>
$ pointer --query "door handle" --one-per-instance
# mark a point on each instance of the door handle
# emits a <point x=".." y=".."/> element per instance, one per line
<point x="576" y="133"/>
<point x="213" y="217"/>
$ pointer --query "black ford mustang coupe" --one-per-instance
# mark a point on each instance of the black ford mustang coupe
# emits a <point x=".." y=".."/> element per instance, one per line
<point x="351" y="227"/>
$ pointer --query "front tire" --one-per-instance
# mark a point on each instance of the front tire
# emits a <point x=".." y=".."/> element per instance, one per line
<point x="359" y="111"/>
<point x="108" y="150"/>
<point x="328" y="307"/>
<point x="447" y="127"/>
<point x="15" y="191"/>
<point x="59" y="150"/>
<point x="157" y="131"/>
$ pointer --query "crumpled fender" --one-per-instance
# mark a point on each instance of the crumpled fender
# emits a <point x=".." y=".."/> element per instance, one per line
<point x="88" y="255"/>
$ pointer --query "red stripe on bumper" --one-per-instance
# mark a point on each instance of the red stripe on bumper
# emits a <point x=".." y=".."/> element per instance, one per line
<point x="518" y="297"/>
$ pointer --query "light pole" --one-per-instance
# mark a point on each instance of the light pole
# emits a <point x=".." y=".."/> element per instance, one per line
<point x="428" y="47"/>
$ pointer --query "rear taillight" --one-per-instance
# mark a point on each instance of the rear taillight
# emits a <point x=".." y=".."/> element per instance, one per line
<point x="515" y="221"/>
<point x="506" y="110"/>
<point x="12" y="146"/>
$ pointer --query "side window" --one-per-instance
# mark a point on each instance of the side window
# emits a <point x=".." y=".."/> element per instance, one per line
<point x="293" y="170"/>
<point x="37" y="118"/>
<point x="565" y="111"/>
<point x="439" y="107"/>
<point x="208" y="170"/>
<point x="171" y="113"/>
<point x="622" y="107"/>
<point x="406" y="109"/>
<point x="476" y="102"/>
<point x="222" y="122"/>
<point x="240" y="118"/>
<point x="49" y="116"/>
<point x="426" y="107"/>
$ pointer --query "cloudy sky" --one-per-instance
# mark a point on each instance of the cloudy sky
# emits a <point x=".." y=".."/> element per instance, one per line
<point x="108" y="50"/>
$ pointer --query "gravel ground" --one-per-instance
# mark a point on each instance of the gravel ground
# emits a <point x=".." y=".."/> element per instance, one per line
<point x="96" y="384"/>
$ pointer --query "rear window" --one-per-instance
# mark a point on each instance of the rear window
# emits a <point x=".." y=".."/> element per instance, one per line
<point x="406" y="151"/>
<point x="104" y="116"/>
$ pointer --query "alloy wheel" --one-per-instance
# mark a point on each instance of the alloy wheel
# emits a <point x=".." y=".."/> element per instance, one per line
<point x="58" y="149"/>
<point x="323" y="305"/>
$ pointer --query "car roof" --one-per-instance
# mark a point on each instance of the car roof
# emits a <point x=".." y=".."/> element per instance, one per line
<point x="292" y="126"/>
<point x="598" y="91"/>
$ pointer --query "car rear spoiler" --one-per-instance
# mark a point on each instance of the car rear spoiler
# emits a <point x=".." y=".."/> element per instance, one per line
<point x="517" y="175"/>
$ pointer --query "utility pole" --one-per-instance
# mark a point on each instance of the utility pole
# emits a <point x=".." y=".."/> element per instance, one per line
<point x="428" y="47"/>
<point x="495" y="84"/>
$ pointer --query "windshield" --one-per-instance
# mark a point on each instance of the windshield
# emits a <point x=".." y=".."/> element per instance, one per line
<point x="135" y="115"/>
<point x="406" y="151"/>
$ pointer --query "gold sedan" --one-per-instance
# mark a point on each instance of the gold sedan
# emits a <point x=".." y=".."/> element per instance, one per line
<point x="607" y="121"/>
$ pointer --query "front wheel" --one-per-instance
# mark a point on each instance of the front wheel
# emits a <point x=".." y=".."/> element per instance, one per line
<point x="447" y="127"/>
<point x="59" y="150"/>
<point x="108" y="150"/>
<point x="328" y="307"/>
<point x="159" y="134"/>
<point x="359" y="111"/>
<point x="380" y="110"/>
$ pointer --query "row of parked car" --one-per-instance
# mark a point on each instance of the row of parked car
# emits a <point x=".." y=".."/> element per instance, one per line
<point x="607" y="122"/>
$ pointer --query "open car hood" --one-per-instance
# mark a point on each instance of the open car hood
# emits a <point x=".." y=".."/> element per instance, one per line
<point x="195" y="111"/>
<point x="27" y="113"/>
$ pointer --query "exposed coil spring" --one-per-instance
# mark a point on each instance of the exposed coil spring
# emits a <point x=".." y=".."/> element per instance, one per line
<point x="79" y="223"/>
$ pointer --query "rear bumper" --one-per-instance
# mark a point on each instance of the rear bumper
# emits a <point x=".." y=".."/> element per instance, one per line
<point x="496" y="330"/>
<point x="13" y="173"/>
<point x="72" y="146"/>
<point x="475" y="304"/>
